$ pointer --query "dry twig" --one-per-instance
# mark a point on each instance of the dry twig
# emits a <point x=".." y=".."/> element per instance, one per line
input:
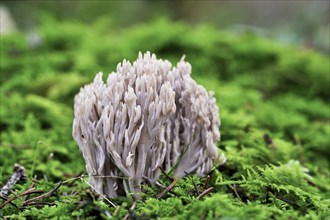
<point x="233" y="187"/>
<point x="30" y="191"/>
<point x="43" y="195"/>
<point x="164" y="172"/>
<point x="167" y="189"/>
<point x="30" y="187"/>
<point x="19" y="173"/>
<point x="195" y="187"/>
<point x="204" y="193"/>
<point x="11" y="203"/>
<point x="38" y="204"/>
<point x="130" y="209"/>
<point x="207" y="181"/>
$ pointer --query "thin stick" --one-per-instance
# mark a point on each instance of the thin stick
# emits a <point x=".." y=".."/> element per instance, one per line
<point x="205" y="192"/>
<point x="39" y="204"/>
<point x="43" y="195"/>
<point x="290" y="202"/>
<point x="116" y="177"/>
<point x="207" y="181"/>
<point x="9" y="202"/>
<point x="132" y="208"/>
<point x="30" y="187"/>
<point x="195" y="186"/>
<point x="116" y="210"/>
<point x="169" y="188"/>
<point x="83" y="175"/>
<point x="235" y="191"/>
<point x="164" y="172"/>
<point x="30" y="191"/>
<point x="97" y="191"/>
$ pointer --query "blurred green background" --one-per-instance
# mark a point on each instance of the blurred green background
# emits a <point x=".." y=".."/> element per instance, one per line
<point x="266" y="61"/>
<point x="300" y="22"/>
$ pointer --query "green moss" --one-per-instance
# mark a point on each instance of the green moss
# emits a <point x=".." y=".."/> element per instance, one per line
<point x="274" y="110"/>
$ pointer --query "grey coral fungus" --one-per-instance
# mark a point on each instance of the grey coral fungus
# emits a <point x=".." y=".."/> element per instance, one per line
<point x="146" y="116"/>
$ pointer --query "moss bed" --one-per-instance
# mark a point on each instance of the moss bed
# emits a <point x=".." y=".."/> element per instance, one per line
<point x="274" y="109"/>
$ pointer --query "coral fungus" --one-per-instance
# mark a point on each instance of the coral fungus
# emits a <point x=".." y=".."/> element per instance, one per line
<point x="146" y="116"/>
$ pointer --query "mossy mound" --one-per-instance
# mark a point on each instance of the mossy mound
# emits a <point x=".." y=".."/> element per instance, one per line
<point x="274" y="109"/>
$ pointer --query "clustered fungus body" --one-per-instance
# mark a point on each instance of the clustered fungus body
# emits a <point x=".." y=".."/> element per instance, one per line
<point x="146" y="116"/>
